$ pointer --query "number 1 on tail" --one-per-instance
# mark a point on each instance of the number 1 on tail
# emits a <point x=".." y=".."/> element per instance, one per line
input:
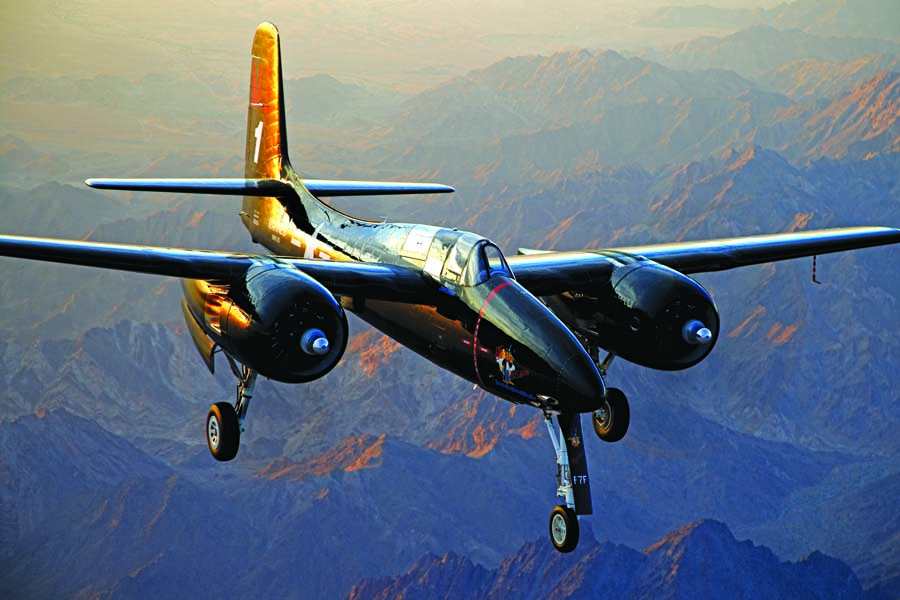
<point x="258" y="133"/>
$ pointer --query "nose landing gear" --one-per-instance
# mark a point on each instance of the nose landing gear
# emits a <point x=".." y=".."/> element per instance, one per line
<point x="610" y="423"/>
<point x="571" y="478"/>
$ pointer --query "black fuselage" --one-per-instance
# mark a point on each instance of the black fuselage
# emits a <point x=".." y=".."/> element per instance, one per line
<point x="477" y="321"/>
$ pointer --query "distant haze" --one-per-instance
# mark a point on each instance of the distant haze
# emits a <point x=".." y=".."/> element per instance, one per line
<point x="409" y="44"/>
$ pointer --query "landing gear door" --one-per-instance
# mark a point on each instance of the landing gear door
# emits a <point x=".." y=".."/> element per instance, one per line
<point x="570" y="425"/>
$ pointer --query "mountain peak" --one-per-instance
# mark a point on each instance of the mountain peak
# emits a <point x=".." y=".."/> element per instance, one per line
<point x="450" y="575"/>
<point x="703" y="531"/>
<point x="755" y="155"/>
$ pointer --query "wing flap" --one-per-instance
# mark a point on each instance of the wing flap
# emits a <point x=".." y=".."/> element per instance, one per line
<point x="342" y="278"/>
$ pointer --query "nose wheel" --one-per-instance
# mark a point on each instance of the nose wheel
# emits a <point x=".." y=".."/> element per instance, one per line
<point x="564" y="529"/>
<point x="224" y="422"/>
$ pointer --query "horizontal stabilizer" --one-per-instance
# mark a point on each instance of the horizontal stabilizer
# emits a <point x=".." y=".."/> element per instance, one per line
<point x="229" y="187"/>
<point x="324" y="187"/>
<point x="274" y="188"/>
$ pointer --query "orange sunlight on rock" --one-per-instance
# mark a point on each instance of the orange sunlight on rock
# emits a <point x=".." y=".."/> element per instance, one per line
<point x="760" y="310"/>
<point x="781" y="334"/>
<point x="352" y="454"/>
<point x="372" y="350"/>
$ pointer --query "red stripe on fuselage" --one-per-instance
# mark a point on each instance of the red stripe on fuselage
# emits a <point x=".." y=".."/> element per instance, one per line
<point x="478" y="324"/>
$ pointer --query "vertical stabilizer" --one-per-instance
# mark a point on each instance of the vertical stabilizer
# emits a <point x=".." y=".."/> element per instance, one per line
<point x="265" y="155"/>
<point x="266" y="151"/>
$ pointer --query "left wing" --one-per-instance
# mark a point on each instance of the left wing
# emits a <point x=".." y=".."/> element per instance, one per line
<point x="342" y="278"/>
<point x="549" y="273"/>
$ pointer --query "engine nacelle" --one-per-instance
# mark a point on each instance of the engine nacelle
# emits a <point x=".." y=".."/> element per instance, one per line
<point x="284" y="324"/>
<point x="646" y="313"/>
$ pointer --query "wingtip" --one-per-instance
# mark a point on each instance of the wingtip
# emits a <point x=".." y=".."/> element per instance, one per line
<point x="434" y="188"/>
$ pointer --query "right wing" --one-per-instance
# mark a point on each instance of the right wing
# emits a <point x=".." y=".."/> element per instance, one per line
<point x="548" y="273"/>
<point x="342" y="278"/>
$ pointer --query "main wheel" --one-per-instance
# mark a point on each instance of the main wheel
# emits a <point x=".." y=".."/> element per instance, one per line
<point x="223" y="434"/>
<point x="611" y="420"/>
<point x="563" y="529"/>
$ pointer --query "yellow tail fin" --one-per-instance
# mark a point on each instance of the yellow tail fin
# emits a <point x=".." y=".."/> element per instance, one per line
<point x="266" y="151"/>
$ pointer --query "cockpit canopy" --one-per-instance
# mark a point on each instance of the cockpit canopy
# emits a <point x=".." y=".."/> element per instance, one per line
<point x="458" y="258"/>
<point x="485" y="261"/>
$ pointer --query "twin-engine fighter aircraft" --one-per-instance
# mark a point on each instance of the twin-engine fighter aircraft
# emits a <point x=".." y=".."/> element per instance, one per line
<point x="528" y="328"/>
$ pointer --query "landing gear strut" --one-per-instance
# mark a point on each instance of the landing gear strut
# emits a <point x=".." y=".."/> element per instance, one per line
<point x="571" y="480"/>
<point x="224" y="422"/>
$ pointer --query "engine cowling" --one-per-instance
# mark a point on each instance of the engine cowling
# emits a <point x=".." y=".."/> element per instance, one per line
<point x="646" y="313"/>
<point x="283" y="324"/>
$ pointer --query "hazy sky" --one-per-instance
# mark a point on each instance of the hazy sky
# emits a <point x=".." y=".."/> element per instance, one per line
<point x="407" y="43"/>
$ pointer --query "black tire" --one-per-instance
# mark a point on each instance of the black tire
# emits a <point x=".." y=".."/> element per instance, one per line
<point x="223" y="434"/>
<point x="564" y="529"/>
<point x="612" y="419"/>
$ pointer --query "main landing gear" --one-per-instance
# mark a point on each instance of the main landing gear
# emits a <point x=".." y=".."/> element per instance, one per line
<point x="224" y="422"/>
<point x="612" y="418"/>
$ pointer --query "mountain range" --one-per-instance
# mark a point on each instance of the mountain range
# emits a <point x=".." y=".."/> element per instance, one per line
<point x="699" y="560"/>
<point x="756" y="50"/>
<point x="584" y="109"/>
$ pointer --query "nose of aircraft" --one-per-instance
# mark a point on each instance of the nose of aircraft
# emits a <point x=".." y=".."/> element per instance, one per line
<point x="560" y="367"/>
<point x="581" y="388"/>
